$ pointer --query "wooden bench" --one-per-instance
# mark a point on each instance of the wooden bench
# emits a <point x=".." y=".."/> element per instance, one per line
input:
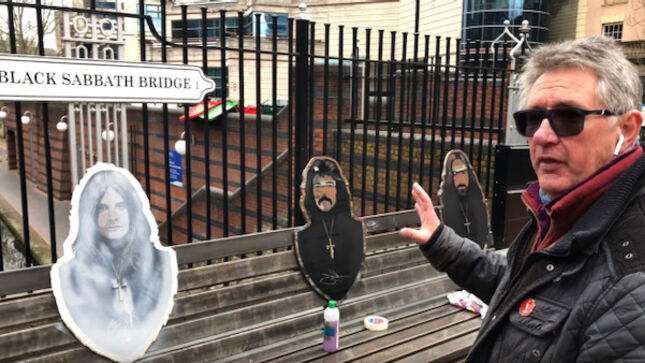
<point x="260" y="308"/>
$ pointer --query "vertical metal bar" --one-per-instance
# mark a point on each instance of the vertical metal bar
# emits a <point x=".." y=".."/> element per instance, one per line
<point x="473" y="105"/>
<point x="166" y="133"/>
<point x="444" y="114"/>
<point x="144" y="106"/>
<point x="482" y="115"/>
<point x="435" y="109"/>
<point x="21" y="146"/>
<point x="79" y="108"/>
<point x="352" y="112"/>
<point x="402" y="103"/>
<point x="224" y="117"/>
<point x="366" y="109"/>
<point x="124" y="137"/>
<point x="115" y="124"/>
<point x="71" y="135"/>
<point x="502" y="96"/>
<point x="107" y="140"/>
<point x="258" y="122"/>
<point x="207" y="149"/>
<point x="72" y="142"/>
<point x="424" y="111"/>
<point x="413" y="119"/>
<point x="302" y="27"/>
<point x="90" y="139"/>
<point x="240" y="55"/>
<point x="188" y="137"/>
<point x="274" y="119"/>
<point x="491" y="116"/>
<point x="464" y="102"/>
<point x="339" y="94"/>
<point x="48" y="156"/>
<point x="326" y="90"/>
<point x="310" y="76"/>
<point x="377" y="128"/>
<point x="416" y="16"/>
<point x="290" y="195"/>
<point x="99" y="130"/>
<point x="454" y="95"/>
<point x="391" y="85"/>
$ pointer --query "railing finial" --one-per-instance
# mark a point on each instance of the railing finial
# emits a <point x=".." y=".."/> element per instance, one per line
<point x="303" y="12"/>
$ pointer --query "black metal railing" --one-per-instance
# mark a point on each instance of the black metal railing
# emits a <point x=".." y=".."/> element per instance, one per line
<point x="388" y="116"/>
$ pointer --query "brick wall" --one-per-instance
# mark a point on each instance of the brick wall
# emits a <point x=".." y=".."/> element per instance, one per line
<point x="34" y="147"/>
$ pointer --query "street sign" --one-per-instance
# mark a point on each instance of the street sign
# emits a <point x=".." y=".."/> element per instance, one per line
<point x="176" y="171"/>
<point x="29" y="78"/>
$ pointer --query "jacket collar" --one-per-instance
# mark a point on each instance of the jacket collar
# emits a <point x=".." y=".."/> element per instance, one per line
<point x="581" y="204"/>
<point x="584" y="235"/>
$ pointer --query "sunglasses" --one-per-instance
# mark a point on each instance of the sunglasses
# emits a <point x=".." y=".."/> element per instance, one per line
<point x="565" y="121"/>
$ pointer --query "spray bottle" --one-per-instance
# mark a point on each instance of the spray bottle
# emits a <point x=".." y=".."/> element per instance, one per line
<point x="331" y="326"/>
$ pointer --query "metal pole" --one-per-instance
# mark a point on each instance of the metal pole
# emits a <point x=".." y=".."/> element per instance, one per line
<point x="302" y="109"/>
<point x="416" y="17"/>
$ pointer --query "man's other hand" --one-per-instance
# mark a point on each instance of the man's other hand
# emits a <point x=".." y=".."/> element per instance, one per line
<point x="429" y="220"/>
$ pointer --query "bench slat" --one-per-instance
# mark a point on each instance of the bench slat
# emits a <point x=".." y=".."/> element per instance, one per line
<point x="449" y="351"/>
<point x="43" y="307"/>
<point x="398" y="345"/>
<point x="360" y="335"/>
<point x="217" y="347"/>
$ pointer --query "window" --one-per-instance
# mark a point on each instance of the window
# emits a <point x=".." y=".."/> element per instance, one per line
<point x="215" y="73"/>
<point x="194" y="28"/>
<point x="283" y="24"/>
<point x="154" y="11"/>
<point x="613" y="30"/>
<point x="106" y="4"/>
<point x="266" y="24"/>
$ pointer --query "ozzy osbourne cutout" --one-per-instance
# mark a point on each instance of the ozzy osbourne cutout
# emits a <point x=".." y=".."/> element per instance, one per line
<point x="331" y="247"/>
<point x="115" y="283"/>
<point x="463" y="206"/>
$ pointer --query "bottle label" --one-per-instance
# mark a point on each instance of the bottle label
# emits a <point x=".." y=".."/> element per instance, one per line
<point x="330" y="341"/>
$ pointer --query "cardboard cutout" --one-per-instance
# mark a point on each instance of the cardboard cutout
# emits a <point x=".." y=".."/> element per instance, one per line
<point x="331" y="247"/>
<point x="115" y="283"/>
<point x="463" y="205"/>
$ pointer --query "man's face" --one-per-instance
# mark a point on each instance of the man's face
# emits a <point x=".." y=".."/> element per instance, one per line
<point x="324" y="189"/>
<point x="113" y="218"/>
<point x="563" y="162"/>
<point x="460" y="176"/>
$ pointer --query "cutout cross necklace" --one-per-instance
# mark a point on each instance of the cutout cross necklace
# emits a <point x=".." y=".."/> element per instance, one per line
<point x="464" y="213"/>
<point x="330" y="244"/>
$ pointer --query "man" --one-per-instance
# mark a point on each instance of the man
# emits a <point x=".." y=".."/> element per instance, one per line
<point x="572" y="287"/>
<point x="331" y="247"/>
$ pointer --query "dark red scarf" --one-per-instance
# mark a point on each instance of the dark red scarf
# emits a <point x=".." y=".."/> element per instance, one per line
<point x="556" y="217"/>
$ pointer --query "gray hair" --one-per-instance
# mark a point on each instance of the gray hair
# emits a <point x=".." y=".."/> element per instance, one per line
<point x="619" y="87"/>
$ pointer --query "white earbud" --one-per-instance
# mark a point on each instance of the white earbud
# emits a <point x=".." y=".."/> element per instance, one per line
<point x="619" y="144"/>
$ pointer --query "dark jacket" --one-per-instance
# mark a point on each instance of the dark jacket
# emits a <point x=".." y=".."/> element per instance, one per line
<point x="588" y="289"/>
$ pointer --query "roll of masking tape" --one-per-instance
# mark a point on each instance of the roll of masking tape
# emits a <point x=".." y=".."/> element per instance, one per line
<point x="375" y="323"/>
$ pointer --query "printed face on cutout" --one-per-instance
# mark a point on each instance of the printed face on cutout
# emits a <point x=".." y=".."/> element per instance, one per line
<point x="324" y="189"/>
<point x="460" y="176"/>
<point x="113" y="218"/>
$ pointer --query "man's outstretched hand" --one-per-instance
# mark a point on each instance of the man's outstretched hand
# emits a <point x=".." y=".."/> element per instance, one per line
<point x="429" y="220"/>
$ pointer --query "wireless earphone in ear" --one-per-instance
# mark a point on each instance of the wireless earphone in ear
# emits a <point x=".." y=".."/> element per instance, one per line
<point x="619" y="144"/>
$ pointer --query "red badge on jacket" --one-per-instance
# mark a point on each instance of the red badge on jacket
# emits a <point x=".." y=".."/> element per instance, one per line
<point x="527" y="307"/>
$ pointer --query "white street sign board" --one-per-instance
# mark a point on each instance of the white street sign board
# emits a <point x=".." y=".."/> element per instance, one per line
<point x="30" y="78"/>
